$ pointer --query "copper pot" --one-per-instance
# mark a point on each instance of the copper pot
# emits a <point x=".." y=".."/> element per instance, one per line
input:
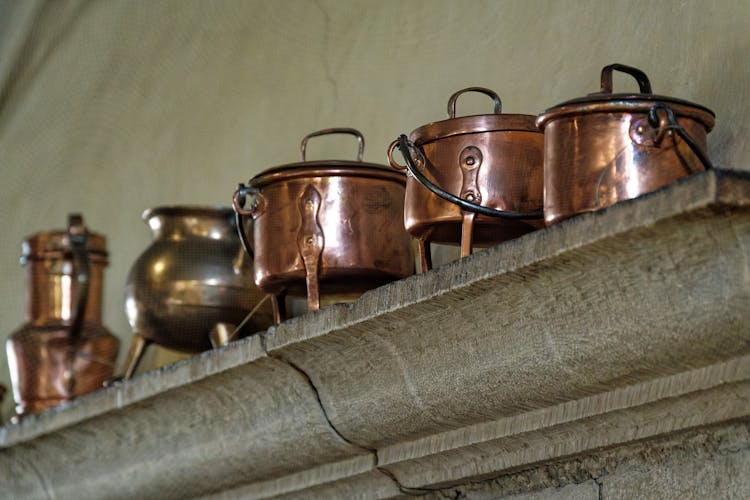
<point x="326" y="227"/>
<point x="63" y="350"/>
<point x="476" y="180"/>
<point x="605" y="147"/>
<point x="193" y="276"/>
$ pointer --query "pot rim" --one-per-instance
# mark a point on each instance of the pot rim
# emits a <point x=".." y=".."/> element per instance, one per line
<point x="326" y="168"/>
<point x="472" y="124"/>
<point x="218" y="211"/>
<point x="626" y="103"/>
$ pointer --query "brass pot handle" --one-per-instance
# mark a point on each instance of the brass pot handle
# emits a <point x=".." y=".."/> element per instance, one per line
<point x="481" y="90"/>
<point x="336" y="130"/>
<point x="606" y="78"/>
<point x="405" y="147"/>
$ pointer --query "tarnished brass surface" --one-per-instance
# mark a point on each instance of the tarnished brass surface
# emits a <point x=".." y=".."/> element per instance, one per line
<point x="604" y="148"/>
<point x="328" y="227"/>
<point x="54" y="356"/>
<point x="193" y="276"/>
<point x="493" y="160"/>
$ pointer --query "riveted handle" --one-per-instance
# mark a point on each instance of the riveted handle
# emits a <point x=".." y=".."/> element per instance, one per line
<point x="606" y="78"/>
<point x="336" y="130"/>
<point x="481" y="90"/>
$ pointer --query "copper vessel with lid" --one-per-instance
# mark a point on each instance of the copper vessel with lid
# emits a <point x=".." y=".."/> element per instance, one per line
<point x="325" y="227"/>
<point x="474" y="180"/>
<point x="63" y="350"/>
<point x="605" y="147"/>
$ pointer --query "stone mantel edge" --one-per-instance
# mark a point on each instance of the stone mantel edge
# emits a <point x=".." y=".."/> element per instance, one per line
<point x="396" y="433"/>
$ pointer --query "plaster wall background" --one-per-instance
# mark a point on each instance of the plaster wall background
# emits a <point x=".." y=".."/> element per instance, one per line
<point x="109" y="108"/>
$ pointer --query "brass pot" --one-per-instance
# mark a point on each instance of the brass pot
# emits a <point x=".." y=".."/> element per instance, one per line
<point x="605" y="147"/>
<point x="476" y="180"/>
<point x="193" y="276"/>
<point x="326" y="227"/>
<point x="63" y="350"/>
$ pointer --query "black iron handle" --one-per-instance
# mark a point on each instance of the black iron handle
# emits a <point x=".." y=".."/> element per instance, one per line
<point x="668" y="122"/>
<point x="405" y="148"/>
<point x="606" y="78"/>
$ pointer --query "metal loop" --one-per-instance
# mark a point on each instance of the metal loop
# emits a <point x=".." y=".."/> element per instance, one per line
<point x="481" y="90"/>
<point x="336" y="130"/>
<point x="672" y="124"/>
<point x="238" y="202"/>
<point x="406" y="148"/>
<point x="606" y="78"/>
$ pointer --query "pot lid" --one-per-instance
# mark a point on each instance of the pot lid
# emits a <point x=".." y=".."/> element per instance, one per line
<point x="606" y="101"/>
<point x="496" y="122"/>
<point x="58" y="244"/>
<point x="327" y="168"/>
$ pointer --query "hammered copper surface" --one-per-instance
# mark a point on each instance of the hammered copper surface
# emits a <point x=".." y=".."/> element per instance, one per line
<point x="328" y="227"/>
<point x="493" y="160"/>
<point x="49" y="362"/>
<point x="605" y="148"/>
<point x="192" y="276"/>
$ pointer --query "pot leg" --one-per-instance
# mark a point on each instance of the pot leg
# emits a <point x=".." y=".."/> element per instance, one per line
<point x="278" y="306"/>
<point x="425" y="255"/>
<point x="137" y="349"/>
<point x="467" y="232"/>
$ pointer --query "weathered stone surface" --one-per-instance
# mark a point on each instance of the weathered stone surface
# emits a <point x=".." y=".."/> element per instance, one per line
<point x="612" y="328"/>
<point x="599" y="302"/>
<point x="723" y="476"/>
<point x="714" y="451"/>
<point x="586" y="491"/>
<point x="253" y="422"/>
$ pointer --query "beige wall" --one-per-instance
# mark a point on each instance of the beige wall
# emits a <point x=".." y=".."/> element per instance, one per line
<point x="111" y="107"/>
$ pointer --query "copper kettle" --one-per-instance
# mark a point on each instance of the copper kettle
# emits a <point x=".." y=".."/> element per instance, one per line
<point x="63" y="350"/>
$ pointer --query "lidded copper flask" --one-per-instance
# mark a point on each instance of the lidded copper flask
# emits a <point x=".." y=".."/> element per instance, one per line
<point x="63" y="350"/>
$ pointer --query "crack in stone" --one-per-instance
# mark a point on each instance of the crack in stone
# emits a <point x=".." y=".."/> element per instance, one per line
<point x="403" y="489"/>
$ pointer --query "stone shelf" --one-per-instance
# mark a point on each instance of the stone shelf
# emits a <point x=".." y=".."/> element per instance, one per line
<point x="613" y="328"/>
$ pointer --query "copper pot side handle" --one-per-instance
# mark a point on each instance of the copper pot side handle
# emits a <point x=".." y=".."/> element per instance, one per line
<point x="394" y="164"/>
<point x="240" y="212"/>
<point x="405" y="147"/>
<point x="606" y="77"/>
<point x="336" y="130"/>
<point x="668" y="122"/>
<point x="482" y="90"/>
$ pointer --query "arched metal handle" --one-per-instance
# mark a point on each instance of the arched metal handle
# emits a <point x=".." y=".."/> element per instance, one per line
<point x="406" y="147"/>
<point x="338" y="130"/>
<point x="481" y="90"/>
<point x="606" y="78"/>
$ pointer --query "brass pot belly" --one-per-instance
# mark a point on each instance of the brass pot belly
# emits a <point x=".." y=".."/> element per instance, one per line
<point x="193" y="276"/>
